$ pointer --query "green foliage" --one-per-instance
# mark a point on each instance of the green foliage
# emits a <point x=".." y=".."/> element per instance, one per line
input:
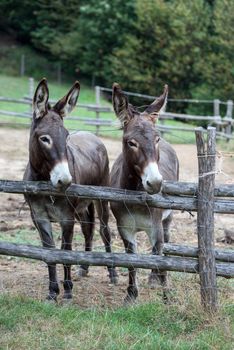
<point x="216" y="65"/>
<point x="165" y="47"/>
<point x="18" y="17"/>
<point x="97" y="32"/>
<point x="143" y="44"/>
<point x="55" y="19"/>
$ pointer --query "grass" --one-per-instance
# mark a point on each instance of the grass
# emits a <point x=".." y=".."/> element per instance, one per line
<point x="29" y="324"/>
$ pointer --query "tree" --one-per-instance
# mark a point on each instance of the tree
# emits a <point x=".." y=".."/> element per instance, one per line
<point x="216" y="65"/>
<point x="18" y="17"/>
<point x="55" y="19"/>
<point x="98" y="31"/>
<point x="167" y="42"/>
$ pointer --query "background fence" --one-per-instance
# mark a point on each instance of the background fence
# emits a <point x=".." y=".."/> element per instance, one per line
<point x="97" y="122"/>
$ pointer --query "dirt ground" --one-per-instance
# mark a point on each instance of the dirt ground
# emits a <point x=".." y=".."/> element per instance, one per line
<point x="21" y="276"/>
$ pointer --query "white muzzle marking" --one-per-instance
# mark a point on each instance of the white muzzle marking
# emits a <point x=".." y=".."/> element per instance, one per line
<point x="151" y="178"/>
<point x="60" y="175"/>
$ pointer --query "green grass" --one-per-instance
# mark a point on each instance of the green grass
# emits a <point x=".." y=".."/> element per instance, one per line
<point x="29" y="324"/>
<point x="21" y="236"/>
<point x="31" y="236"/>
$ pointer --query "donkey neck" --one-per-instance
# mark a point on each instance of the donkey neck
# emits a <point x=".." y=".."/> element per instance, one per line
<point x="129" y="180"/>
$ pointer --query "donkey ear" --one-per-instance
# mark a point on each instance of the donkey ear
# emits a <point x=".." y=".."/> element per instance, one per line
<point x="159" y="104"/>
<point x="68" y="102"/>
<point x="120" y="104"/>
<point x="40" y="99"/>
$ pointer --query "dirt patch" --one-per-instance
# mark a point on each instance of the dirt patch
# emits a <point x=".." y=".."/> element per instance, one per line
<point x="30" y="278"/>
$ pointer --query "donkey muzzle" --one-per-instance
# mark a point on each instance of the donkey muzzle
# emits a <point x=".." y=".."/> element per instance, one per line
<point x="151" y="178"/>
<point x="60" y="175"/>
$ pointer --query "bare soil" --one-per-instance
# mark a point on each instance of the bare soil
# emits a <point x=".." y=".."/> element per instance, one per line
<point x="21" y="276"/>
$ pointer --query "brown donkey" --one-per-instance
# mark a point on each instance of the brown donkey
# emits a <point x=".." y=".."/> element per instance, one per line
<point x="62" y="158"/>
<point x="146" y="160"/>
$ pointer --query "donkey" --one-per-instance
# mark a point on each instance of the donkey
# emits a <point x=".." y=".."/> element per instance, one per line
<point x="62" y="158"/>
<point x="146" y="160"/>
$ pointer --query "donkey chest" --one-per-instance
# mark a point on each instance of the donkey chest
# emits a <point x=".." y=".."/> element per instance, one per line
<point x="44" y="208"/>
<point x="136" y="218"/>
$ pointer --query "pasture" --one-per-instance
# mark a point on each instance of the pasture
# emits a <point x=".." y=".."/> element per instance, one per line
<point x="96" y="311"/>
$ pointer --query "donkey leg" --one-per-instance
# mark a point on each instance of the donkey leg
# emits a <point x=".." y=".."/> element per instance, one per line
<point x="103" y="214"/>
<point x="157" y="241"/>
<point x="67" y="236"/>
<point x="45" y="230"/>
<point x="130" y="248"/>
<point x="87" y="221"/>
<point x="166" y="226"/>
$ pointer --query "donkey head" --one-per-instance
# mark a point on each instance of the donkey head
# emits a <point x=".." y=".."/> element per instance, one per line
<point x="47" y="145"/>
<point x="140" y="138"/>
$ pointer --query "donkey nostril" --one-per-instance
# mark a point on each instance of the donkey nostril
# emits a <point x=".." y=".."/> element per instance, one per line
<point x="148" y="183"/>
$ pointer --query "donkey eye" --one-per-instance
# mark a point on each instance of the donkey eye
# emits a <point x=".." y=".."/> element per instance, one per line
<point x="132" y="144"/>
<point x="45" y="139"/>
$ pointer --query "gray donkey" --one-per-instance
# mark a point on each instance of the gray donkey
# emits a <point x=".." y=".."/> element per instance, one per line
<point x="146" y="160"/>
<point x="80" y="158"/>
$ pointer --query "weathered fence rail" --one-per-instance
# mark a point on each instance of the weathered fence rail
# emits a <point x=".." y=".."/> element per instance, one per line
<point x="177" y="196"/>
<point x="56" y="256"/>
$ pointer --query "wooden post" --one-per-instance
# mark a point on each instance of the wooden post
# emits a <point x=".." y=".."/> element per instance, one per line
<point x="216" y="108"/>
<point x="59" y="73"/>
<point x="205" y="218"/>
<point x="228" y="119"/>
<point x="22" y="65"/>
<point x="217" y="117"/>
<point x="97" y="94"/>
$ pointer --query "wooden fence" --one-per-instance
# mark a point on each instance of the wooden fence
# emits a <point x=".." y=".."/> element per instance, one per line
<point x="203" y="197"/>
<point x="224" y="125"/>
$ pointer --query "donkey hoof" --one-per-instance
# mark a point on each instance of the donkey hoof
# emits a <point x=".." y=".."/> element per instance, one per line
<point x="154" y="281"/>
<point x="129" y="300"/>
<point x="51" y="298"/>
<point x="67" y="300"/>
<point x="114" y="280"/>
<point x="82" y="272"/>
<point x="113" y="276"/>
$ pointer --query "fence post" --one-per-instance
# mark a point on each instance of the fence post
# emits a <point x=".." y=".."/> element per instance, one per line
<point x="216" y="108"/>
<point x="22" y="65"/>
<point x="59" y="73"/>
<point x="228" y="119"/>
<point x="205" y="217"/>
<point x="216" y="111"/>
<point x="97" y="95"/>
